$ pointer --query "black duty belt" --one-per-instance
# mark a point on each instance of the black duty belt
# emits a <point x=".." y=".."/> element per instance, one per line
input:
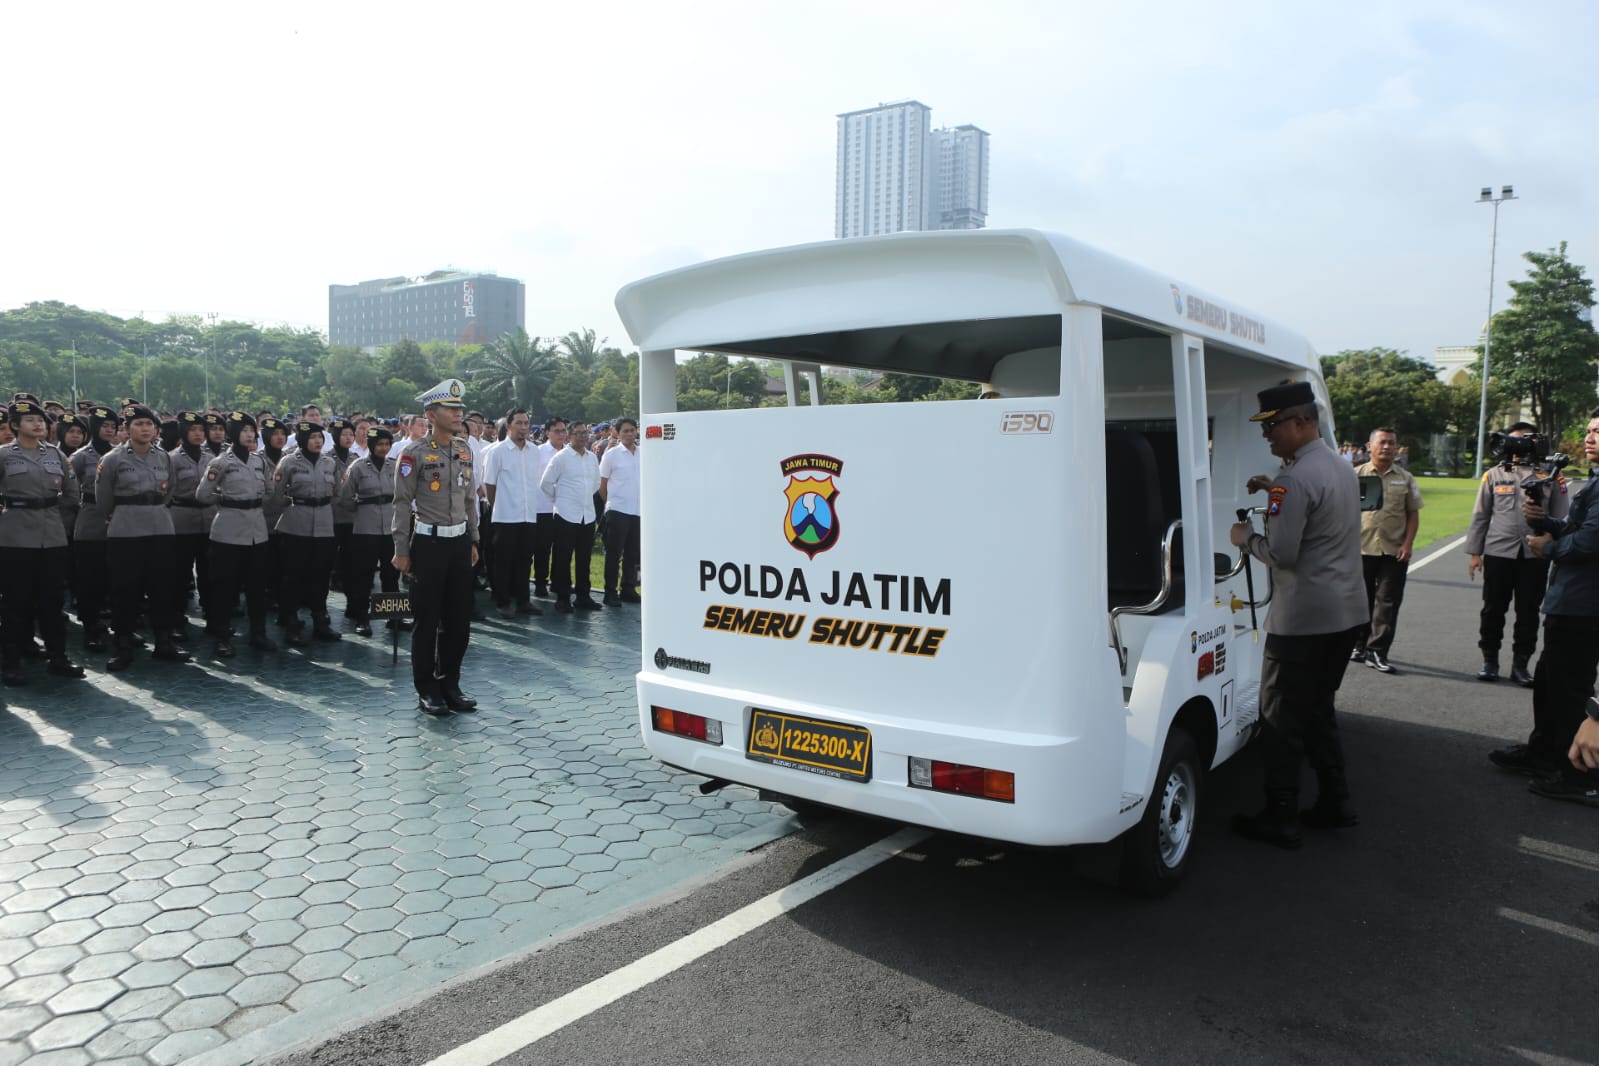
<point x="240" y="505"/>
<point x="25" y="503"/>
<point x="317" y="501"/>
<point x="184" y="501"/>
<point x="374" y="499"/>
<point x="140" y="499"/>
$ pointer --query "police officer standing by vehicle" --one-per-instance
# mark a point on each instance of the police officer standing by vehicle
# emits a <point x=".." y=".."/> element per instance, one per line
<point x="134" y="487"/>
<point x="1496" y="544"/>
<point x="1563" y="683"/>
<point x="35" y="481"/>
<point x="434" y="480"/>
<point x="236" y="482"/>
<point x="1312" y="544"/>
<point x="306" y="480"/>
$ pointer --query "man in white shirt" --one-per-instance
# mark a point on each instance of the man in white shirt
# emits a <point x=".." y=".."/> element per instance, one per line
<point x="511" y="471"/>
<point x="416" y="427"/>
<point x="619" y="489"/>
<point x="571" y="479"/>
<point x="544" y="537"/>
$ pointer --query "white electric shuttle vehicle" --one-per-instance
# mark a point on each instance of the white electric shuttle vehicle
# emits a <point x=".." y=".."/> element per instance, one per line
<point x="1016" y="616"/>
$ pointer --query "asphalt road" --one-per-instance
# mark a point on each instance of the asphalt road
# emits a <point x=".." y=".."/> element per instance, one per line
<point x="1458" y="924"/>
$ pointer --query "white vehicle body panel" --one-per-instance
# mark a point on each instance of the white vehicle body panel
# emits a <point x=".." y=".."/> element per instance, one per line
<point x="987" y="545"/>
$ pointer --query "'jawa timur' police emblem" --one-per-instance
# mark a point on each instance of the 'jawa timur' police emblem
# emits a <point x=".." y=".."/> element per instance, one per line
<point x="811" y="521"/>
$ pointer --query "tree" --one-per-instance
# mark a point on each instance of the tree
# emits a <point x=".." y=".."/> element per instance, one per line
<point x="1382" y="387"/>
<point x="405" y="361"/>
<point x="568" y="393"/>
<point x="515" y="371"/>
<point x="582" y="348"/>
<point x="1543" y="350"/>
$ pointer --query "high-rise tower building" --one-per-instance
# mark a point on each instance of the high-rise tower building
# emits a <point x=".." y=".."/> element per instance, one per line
<point x="882" y="170"/>
<point x="896" y="173"/>
<point x="959" y="179"/>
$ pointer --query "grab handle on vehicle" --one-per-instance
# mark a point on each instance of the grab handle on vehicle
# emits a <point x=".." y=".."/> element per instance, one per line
<point x="1153" y="605"/>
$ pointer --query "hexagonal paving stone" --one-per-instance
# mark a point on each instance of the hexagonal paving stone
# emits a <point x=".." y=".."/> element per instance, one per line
<point x="85" y="996"/>
<point x="68" y="1031"/>
<point x="321" y="965"/>
<point x="211" y="981"/>
<point x="47" y="960"/>
<point x="219" y="952"/>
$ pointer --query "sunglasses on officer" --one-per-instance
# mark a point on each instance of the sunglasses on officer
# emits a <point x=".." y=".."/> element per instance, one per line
<point x="1270" y="424"/>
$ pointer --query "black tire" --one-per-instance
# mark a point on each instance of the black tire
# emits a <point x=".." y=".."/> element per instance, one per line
<point x="1156" y="852"/>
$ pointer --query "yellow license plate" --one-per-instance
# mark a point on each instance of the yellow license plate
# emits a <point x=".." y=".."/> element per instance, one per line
<point x="810" y="744"/>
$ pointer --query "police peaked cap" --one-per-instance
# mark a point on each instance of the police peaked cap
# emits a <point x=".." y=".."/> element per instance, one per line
<point x="446" y="393"/>
<point x="212" y="419"/>
<point x="30" y="397"/>
<point x="22" y="406"/>
<point x="305" y="426"/>
<point x="189" y="418"/>
<point x="1281" y="397"/>
<point x="377" y="433"/>
<point x="339" y="425"/>
<point x="70" y="419"/>
<point x="131" y="411"/>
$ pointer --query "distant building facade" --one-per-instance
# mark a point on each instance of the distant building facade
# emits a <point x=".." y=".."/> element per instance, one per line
<point x="882" y="169"/>
<point x="453" y="306"/>
<point x="896" y="173"/>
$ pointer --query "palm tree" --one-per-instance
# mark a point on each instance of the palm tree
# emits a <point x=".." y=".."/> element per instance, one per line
<point x="518" y="368"/>
<point x="582" y="348"/>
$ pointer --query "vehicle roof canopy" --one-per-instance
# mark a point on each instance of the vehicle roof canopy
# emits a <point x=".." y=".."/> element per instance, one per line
<point x="944" y="303"/>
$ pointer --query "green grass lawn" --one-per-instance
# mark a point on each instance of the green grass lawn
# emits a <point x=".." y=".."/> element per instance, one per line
<point x="1447" y="509"/>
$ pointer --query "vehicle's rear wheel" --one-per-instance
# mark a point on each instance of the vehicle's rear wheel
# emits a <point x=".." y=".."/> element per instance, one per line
<point x="1156" y="851"/>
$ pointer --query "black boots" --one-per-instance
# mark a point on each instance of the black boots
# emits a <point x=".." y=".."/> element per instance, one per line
<point x="1490" y="668"/>
<point x="324" y="629"/>
<point x="1519" y="673"/>
<point x="1276" y="824"/>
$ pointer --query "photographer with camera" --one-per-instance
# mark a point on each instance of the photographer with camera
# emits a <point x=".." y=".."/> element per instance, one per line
<point x="1556" y="753"/>
<point x="1496" y="544"/>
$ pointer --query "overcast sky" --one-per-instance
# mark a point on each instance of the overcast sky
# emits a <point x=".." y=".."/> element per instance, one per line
<point x="1317" y="163"/>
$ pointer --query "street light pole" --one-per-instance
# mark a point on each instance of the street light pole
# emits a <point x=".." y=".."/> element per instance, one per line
<point x="727" y="401"/>
<point x="1505" y="193"/>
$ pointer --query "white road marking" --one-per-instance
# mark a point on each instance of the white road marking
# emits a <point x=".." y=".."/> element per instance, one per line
<point x="555" y="1015"/>
<point x="1545" y="849"/>
<point x="1581" y="936"/>
<point x="1445" y="550"/>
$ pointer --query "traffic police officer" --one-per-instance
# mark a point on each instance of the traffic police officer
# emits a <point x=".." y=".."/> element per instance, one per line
<point x="1496" y="543"/>
<point x="134" y="487"/>
<point x="236" y="482"/>
<point x="271" y="435"/>
<point x="368" y="489"/>
<point x="341" y="435"/>
<point x="306" y="480"/>
<point x="434" y="478"/>
<point x="216" y="433"/>
<point x="35" y="480"/>
<point x="1312" y="544"/>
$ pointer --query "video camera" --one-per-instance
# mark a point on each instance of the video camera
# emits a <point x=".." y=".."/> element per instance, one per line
<point x="1532" y="450"/>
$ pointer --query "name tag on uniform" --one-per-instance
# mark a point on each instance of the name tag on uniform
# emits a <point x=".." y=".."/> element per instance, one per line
<point x="391" y="605"/>
<point x="1504" y="490"/>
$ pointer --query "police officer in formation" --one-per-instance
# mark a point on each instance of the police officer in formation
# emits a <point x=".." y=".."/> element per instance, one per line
<point x="306" y="481"/>
<point x="236" y="483"/>
<point x="1496" y="547"/>
<point x="134" y="487"/>
<point x="35" y="480"/>
<point x="191" y="516"/>
<point x="434" y="485"/>
<point x="93" y="582"/>
<point x="368" y="490"/>
<point x="1312" y="544"/>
